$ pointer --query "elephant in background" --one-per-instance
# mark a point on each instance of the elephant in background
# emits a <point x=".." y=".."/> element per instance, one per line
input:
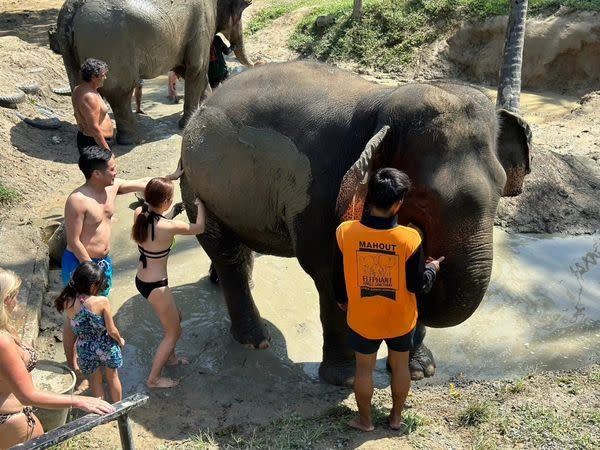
<point x="144" y="39"/>
<point x="280" y="155"/>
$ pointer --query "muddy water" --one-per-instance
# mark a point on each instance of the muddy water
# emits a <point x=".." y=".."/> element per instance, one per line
<point x="541" y="107"/>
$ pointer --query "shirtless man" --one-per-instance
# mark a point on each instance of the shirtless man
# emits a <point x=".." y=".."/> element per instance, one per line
<point x="88" y="213"/>
<point x="91" y="113"/>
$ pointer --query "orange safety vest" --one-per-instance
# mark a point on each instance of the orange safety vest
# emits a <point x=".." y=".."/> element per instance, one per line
<point x="379" y="304"/>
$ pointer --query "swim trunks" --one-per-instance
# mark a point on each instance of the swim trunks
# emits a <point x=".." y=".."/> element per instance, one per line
<point x="70" y="262"/>
<point x="84" y="141"/>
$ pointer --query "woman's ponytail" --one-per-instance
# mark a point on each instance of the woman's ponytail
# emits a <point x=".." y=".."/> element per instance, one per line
<point x="139" y="231"/>
<point x="158" y="191"/>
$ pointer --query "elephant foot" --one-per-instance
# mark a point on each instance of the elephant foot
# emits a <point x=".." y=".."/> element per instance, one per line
<point x="183" y="121"/>
<point x="338" y="374"/>
<point x="421" y="363"/>
<point x="251" y="336"/>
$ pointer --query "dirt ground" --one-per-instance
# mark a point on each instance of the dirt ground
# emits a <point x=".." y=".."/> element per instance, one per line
<point x="543" y="410"/>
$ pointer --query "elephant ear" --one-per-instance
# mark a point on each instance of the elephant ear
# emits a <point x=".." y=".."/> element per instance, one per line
<point x="353" y="189"/>
<point x="514" y="151"/>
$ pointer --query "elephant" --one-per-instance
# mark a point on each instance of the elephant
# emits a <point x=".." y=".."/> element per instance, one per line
<point x="280" y="156"/>
<point x="144" y="39"/>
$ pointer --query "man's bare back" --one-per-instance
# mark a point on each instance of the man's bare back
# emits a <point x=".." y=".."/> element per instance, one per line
<point x="91" y="111"/>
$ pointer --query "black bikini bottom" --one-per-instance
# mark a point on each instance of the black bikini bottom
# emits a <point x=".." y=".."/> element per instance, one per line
<point x="146" y="289"/>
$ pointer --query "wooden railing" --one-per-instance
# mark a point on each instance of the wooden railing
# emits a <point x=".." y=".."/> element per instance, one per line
<point x="88" y="422"/>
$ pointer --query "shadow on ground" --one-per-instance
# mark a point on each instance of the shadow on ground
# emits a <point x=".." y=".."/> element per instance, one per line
<point x="226" y="384"/>
<point x="35" y="142"/>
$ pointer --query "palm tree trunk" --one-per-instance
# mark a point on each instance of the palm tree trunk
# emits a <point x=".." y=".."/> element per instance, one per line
<point x="509" y="87"/>
<point x="357" y="12"/>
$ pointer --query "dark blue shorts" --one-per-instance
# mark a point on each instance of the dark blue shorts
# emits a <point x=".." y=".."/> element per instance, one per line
<point x="366" y="346"/>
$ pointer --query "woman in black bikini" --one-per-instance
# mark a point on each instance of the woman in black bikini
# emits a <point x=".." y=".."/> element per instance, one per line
<point x="18" y="423"/>
<point x="154" y="235"/>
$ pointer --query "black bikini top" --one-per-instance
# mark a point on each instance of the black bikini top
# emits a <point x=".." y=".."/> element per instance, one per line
<point x="144" y="254"/>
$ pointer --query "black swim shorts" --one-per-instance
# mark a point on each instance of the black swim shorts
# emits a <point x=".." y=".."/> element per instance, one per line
<point x="84" y="141"/>
<point x="366" y="346"/>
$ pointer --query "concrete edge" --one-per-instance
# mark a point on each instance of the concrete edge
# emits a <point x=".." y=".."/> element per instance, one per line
<point x="36" y="286"/>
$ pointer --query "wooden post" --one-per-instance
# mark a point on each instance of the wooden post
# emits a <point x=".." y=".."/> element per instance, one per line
<point x="125" y="432"/>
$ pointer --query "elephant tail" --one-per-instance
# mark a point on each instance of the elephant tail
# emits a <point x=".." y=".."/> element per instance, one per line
<point x="65" y="30"/>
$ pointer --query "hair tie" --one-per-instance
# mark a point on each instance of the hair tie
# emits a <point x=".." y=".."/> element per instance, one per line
<point x="71" y="283"/>
<point x="145" y="207"/>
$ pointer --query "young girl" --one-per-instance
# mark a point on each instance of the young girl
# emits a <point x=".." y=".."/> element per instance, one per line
<point x="154" y="235"/>
<point x="98" y="340"/>
<point x="18" y="423"/>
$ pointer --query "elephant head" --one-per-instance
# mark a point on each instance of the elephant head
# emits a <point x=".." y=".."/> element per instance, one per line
<point x="229" y="22"/>
<point x="461" y="156"/>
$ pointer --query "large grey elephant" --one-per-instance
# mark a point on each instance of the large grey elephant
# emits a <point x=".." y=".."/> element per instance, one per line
<point x="279" y="154"/>
<point x="145" y="39"/>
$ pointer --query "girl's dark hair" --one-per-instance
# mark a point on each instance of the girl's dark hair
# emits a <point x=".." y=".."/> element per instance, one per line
<point x="387" y="186"/>
<point x="158" y="191"/>
<point x="85" y="277"/>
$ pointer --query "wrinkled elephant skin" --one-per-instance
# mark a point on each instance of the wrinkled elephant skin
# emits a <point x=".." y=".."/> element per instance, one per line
<point x="279" y="153"/>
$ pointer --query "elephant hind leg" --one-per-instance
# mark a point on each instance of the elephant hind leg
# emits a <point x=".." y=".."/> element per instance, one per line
<point x="233" y="263"/>
<point x="120" y="102"/>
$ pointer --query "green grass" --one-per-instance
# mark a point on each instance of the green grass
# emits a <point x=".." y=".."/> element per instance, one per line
<point x="475" y="414"/>
<point x="8" y="195"/>
<point x="392" y="30"/>
<point x="516" y="387"/>
<point x="266" y="16"/>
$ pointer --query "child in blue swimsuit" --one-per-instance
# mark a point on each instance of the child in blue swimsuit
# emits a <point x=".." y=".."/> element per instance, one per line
<point x="98" y="340"/>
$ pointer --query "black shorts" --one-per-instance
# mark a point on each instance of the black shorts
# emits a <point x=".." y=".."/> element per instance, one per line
<point x="84" y="141"/>
<point x="368" y="346"/>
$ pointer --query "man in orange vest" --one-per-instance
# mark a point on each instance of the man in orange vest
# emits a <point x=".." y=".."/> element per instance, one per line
<point x="384" y="267"/>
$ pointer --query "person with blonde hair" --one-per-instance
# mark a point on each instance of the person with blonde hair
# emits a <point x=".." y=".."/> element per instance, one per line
<point x="154" y="234"/>
<point x="18" y="423"/>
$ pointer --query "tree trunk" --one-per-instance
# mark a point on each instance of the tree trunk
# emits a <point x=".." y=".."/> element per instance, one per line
<point x="509" y="87"/>
<point x="357" y="12"/>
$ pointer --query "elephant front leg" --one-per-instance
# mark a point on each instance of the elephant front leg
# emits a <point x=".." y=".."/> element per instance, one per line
<point x="234" y="276"/>
<point x="421" y="362"/>
<point x="233" y="263"/>
<point x="338" y="364"/>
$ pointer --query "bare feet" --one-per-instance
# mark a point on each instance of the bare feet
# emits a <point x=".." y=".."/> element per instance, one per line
<point x="360" y="425"/>
<point x="177" y="361"/>
<point x="162" y="382"/>
<point x="141" y="112"/>
<point x="396" y="423"/>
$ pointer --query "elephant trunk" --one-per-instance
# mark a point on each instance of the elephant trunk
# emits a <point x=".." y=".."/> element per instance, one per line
<point x="237" y="42"/>
<point x="509" y="88"/>
<point x="461" y="282"/>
